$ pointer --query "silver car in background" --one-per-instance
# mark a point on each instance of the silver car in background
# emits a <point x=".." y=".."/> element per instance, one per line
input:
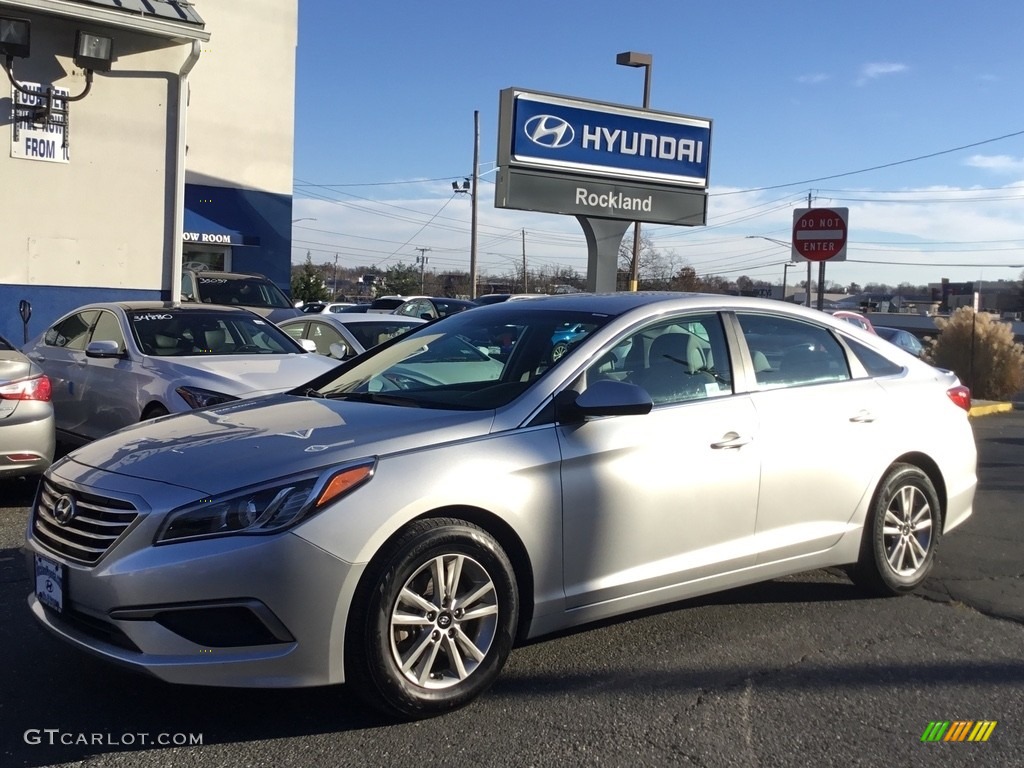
<point x="114" y="364"/>
<point x="400" y="522"/>
<point x="27" y="436"/>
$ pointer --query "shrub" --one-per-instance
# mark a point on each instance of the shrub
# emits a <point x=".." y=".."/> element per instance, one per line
<point x="997" y="368"/>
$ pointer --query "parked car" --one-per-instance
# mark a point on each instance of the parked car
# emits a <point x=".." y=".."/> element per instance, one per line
<point x="399" y="529"/>
<point x="497" y="298"/>
<point x="353" y="332"/>
<point x="903" y="339"/>
<point x="27" y="436"/>
<point x="427" y="308"/>
<point x="116" y="363"/>
<point x="388" y="304"/>
<point x="248" y="290"/>
<point x="856" y="318"/>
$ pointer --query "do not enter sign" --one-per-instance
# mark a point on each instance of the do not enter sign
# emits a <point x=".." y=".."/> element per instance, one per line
<point x="819" y="234"/>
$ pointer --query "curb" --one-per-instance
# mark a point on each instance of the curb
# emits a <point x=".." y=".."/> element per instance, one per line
<point x="986" y="408"/>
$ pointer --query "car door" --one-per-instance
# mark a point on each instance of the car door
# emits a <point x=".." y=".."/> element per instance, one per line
<point x="111" y="387"/>
<point x="817" y="426"/>
<point x="61" y="354"/>
<point x="651" y="502"/>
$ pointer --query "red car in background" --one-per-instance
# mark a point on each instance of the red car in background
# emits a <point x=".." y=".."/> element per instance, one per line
<point x="856" y="318"/>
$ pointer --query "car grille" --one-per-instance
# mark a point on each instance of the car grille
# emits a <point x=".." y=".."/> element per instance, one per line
<point x="98" y="522"/>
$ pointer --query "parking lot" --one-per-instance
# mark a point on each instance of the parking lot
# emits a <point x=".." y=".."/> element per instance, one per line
<point x="801" y="670"/>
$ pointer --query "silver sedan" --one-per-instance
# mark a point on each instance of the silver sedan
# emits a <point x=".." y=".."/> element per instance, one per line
<point x="27" y="435"/>
<point x="116" y="363"/>
<point x="398" y="527"/>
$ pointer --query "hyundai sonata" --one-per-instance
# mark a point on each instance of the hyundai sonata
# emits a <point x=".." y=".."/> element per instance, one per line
<point x="398" y="524"/>
<point x="113" y="364"/>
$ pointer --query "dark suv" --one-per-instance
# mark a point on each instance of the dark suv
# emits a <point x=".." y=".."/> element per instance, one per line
<point x="251" y="291"/>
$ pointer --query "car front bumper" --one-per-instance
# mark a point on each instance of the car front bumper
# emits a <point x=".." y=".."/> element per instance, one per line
<point x="236" y="611"/>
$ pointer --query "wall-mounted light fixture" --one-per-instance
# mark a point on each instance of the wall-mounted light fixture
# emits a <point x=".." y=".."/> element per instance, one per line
<point x="91" y="52"/>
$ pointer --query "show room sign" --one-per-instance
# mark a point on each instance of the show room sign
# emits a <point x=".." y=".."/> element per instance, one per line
<point x="33" y="141"/>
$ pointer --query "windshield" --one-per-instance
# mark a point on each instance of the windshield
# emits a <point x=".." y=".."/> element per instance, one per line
<point x="474" y="360"/>
<point x="178" y="333"/>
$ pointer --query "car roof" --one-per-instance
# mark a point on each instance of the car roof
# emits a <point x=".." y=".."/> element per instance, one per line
<point x="139" y="306"/>
<point x="228" y="275"/>
<point x="353" y="318"/>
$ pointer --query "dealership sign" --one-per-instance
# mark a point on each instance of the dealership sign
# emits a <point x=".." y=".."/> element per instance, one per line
<point x="567" y="155"/>
<point x="609" y="140"/>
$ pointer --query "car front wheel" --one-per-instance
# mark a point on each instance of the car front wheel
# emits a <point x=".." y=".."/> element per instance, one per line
<point x="901" y="534"/>
<point x="434" y="620"/>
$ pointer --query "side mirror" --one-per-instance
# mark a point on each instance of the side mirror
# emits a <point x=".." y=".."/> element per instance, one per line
<point x="605" y="398"/>
<point x="307" y="344"/>
<point x="340" y="350"/>
<point x="103" y="349"/>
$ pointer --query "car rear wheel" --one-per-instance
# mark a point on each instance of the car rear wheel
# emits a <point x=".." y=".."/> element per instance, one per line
<point x="433" y="621"/>
<point x="902" y="532"/>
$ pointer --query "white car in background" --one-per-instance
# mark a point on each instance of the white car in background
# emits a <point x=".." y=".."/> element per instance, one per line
<point x="343" y="335"/>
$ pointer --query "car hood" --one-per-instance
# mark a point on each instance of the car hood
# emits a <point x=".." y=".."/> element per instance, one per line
<point x="244" y="375"/>
<point x="218" y="449"/>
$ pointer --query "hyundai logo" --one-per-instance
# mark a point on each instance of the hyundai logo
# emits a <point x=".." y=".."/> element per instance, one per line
<point x="64" y="510"/>
<point x="549" y="131"/>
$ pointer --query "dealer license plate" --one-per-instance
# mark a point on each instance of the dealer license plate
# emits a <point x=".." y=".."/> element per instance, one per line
<point x="50" y="582"/>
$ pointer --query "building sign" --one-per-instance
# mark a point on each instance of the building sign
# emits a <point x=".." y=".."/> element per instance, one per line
<point x="558" y="154"/>
<point x="39" y="141"/>
<point x="586" y="196"/>
<point x="589" y="137"/>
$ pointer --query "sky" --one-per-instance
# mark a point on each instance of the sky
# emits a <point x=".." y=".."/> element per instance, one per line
<point x="908" y="113"/>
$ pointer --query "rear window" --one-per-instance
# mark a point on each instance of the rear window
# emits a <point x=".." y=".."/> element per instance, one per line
<point x="247" y="292"/>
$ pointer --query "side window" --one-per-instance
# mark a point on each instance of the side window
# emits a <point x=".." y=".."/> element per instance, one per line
<point x="323" y="336"/>
<point x="188" y="288"/>
<point x="72" y="332"/>
<point x="791" y="353"/>
<point x="295" y="330"/>
<point x="678" y="360"/>
<point x="875" y="363"/>
<point x="107" y="328"/>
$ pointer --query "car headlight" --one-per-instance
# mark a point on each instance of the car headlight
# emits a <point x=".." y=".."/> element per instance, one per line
<point x="264" y="509"/>
<point x="200" y="398"/>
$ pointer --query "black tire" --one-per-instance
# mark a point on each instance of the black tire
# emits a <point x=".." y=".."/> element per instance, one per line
<point x="433" y="636"/>
<point x="901" y="533"/>
<point x="558" y="351"/>
<point x="153" y="412"/>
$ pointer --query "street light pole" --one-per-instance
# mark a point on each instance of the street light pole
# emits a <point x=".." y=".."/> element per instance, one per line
<point x="645" y="60"/>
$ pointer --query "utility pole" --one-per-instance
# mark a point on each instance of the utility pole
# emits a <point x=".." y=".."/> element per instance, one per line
<point x="422" y="261"/>
<point x="472" y="194"/>
<point x="807" y="293"/>
<point x="334" y="288"/>
<point x="525" y="289"/>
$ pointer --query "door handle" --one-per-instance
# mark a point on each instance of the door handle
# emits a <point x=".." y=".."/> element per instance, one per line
<point x="863" y="417"/>
<point x="731" y="440"/>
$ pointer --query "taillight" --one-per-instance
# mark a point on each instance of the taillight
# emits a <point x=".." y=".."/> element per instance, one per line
<point x="961" y="396"/>
<point x="37" y="388"/>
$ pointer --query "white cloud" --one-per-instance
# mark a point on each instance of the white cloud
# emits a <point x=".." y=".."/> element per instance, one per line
<point x="874" y="70"/>
<point x="997" y="163"/>
<point x="818" y="77"/>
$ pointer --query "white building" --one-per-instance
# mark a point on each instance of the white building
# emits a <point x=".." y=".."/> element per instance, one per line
<point x="181" y="152"/>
